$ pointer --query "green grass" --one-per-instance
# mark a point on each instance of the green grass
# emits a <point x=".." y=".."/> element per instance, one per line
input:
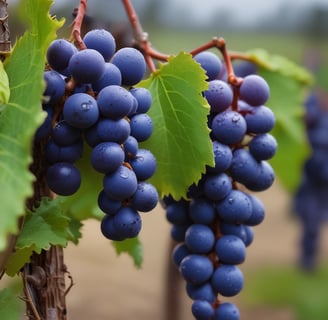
<point x="304" y="292"/>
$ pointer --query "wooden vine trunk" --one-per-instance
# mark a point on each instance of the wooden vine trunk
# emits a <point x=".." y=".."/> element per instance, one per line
<point x="44" y="277"/>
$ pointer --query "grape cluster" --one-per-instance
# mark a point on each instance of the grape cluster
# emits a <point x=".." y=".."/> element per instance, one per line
<point x="213" y="227"/>
<point x="310" y="200"/>
<point x="91" y="99"/>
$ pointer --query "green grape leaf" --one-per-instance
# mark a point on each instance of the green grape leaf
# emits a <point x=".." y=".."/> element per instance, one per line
<point x="10" y="305"/>
<point x="23" y="114"/>
<point x="4" y="87"/>
<point x="45" y="226"/>
<point x="286" y="101"/>
<point x="180" y="140"/>
<point x="83" y="204"/>
<point x="132" y="247"/>
<point x="280" y="64"/>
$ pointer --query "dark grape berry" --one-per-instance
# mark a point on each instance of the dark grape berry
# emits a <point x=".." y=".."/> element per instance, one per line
<point x="254" y="90"/>
<point x="87" y="66"/>
<point x="132" y="65"/>
<point x="81" y="110"/>
<point x="102" y="41"/>
<point x="59" y="53"/>
<point x="210" y="62"/>
<point x="63" y="178"/>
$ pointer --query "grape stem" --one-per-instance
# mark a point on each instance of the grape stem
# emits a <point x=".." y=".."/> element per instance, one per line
<point x="77" y="24"/>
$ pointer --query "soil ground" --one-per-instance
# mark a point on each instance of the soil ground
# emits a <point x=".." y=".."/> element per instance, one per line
<point x="107" y="287"/>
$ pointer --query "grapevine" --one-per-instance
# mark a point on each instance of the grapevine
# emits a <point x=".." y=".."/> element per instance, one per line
<point x="105" y="136"/>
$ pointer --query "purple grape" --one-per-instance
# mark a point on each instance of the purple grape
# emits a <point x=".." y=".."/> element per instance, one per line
<point x="230" y="249"/>
<point x="210" y="62"/>
<point x="107" y="157"/>
<point x="113" y="130"/>
<point x="59" y="53"/>
<point x="145" y="198"/>
<point x="108" y="229"/>
<point x="108" y="205"/>
<point x="227" y="311"/>
<point x="179" y="252"/>
<point x="55" y="86"/>
<point x="81" y="110"/>
<point x="199" y="238"/>
<point x="127" y="222"/>
<point x="64" y="134"/>
<point x="63" y="178"/>
<point x="144" y="164"/>
<point x="87" y="66"/>
<point x="254" y="90"/>
<point x="227" y="280"/>
<point x="263" y="146"/>
<point x="143" y="98"/>
<point x="141" y="126"/>
<point x="114" y="102"/>
<point x="121" y="184"/>
<point x="202" y="310"/>
<point x="201" y="292"/>
<point x="259" y="119"/>
<point x="219" y="95"/>
<point x="236" y="207"/>
<point x="258" y="211"/>
<point x="217" y="186"/>
<point x="102" y="41"/>
<point x="132" y="65"/>
<point x="229" y="127"/>
<point x="202" y="211"/>
<point x="196" y="268"/>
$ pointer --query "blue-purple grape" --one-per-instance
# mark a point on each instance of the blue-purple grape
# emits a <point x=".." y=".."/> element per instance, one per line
<point x="210" y="62"/>
<point x="196" y="268"/>
<point x="114" y="102"/>
<point x="199" y="238"/>
<point x="254" y="90"/>
<point x="63" y="178"/>
<point x="219" y="95"/>
<point x="141" y="126"/>
<point x="59" y="53"/>
<point x="227" y="280"/>
<point x="132" y="65"/>
<point x="87" y="66"/>
<point x="121" y="184"/>
<point x="81" y="110"/>
<point x="102" y="41"/>
<point x="107" y="157"/>
<point x="55" y="86"/>
<point x="230" y="249"/>
<point x="145" y="198"/>
<point x="229" y="127"/>
<point x="143" y="97"/>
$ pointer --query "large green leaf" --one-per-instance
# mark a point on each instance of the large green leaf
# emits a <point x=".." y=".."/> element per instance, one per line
<point x="180" y="141"/>
<point x="286" y="101"/>
<point x="23" y="114"/>
<point x="45" y="226"/>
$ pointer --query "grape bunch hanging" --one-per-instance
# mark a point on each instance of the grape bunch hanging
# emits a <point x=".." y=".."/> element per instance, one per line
<point x="91" y="99"/>
<point x="213" y="227"/>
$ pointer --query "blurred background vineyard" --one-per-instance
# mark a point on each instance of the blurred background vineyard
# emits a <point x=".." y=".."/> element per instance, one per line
<point x="275" y="287"/>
